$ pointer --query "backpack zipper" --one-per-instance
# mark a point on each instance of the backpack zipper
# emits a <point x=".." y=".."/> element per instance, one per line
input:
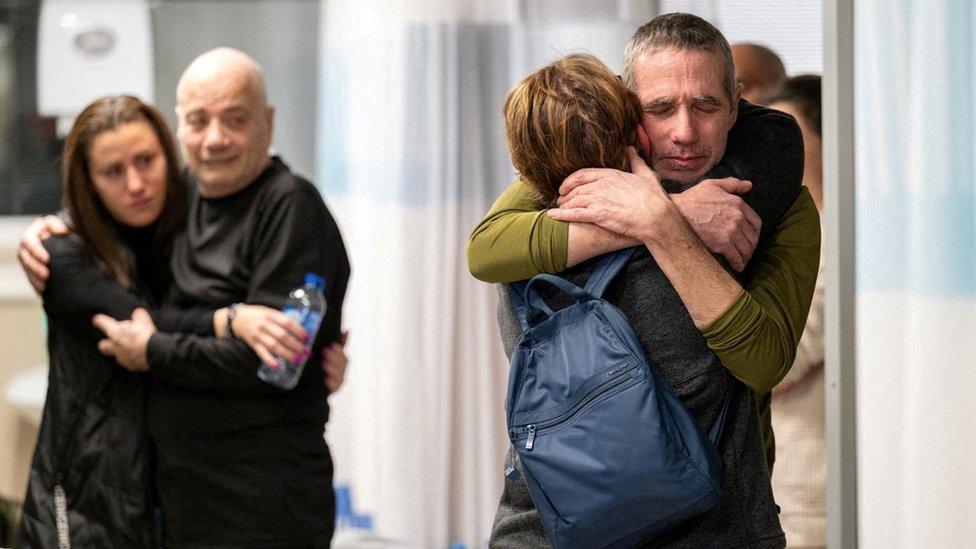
<point x="592" y="395"/>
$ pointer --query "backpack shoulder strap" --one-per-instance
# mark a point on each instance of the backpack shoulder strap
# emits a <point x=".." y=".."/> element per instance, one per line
<point x="608" y="266"/>
<point x="516" y="296"/>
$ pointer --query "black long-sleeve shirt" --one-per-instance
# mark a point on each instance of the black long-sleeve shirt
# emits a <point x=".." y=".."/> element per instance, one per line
<point x="240" y="461"/>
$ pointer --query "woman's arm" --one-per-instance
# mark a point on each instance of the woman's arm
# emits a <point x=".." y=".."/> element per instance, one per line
<point x="756" y="337"/>
<point x="76" y="289"/>
<point x="517" y="240"/>
<point x="810" y="351"/>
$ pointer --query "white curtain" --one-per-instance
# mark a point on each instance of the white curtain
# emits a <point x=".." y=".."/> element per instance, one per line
<point x="410" y="154"/>
<point x="915" y="104"/>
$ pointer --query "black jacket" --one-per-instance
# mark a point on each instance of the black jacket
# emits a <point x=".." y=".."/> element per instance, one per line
<point x="92" y="443"/>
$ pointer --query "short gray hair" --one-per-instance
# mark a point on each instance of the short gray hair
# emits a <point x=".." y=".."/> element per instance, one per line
<point x="681" y="31"/>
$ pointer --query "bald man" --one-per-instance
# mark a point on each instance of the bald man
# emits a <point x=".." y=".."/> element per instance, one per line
<point x="758" y="69"/>
<point x="240" y="463"/>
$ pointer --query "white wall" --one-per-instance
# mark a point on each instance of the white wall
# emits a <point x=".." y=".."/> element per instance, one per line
<point x="23" y="344"/>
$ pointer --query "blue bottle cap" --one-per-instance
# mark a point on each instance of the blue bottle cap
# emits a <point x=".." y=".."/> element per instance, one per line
<point x="315" y="281"/>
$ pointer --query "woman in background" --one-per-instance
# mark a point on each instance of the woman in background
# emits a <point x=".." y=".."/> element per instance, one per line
<point x="798" y="401"/>
<point x="91" y="479"/>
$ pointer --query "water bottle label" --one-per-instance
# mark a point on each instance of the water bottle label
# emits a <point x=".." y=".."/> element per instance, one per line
<point x="287" y="370"/>
<point x="295" y="314"/>
<point x="311" y="325"/>
<point x="309" y="320"/>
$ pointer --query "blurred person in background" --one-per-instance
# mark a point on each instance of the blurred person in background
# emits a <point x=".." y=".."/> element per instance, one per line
<point x="125" y="201"/>
<point x="758" y="69"/>
<point x="798" y="401"/>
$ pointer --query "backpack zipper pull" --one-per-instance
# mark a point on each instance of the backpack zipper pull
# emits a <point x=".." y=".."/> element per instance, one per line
<point x="530" y="442"/>
<point x="511" y="471"/>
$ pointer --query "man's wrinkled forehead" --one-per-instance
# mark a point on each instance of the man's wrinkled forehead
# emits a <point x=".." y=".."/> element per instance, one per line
<point x="216" y="82"/>
<point x="657" y="71"/>
<point x="220" y="94"/>
<point x="218" y="88"/>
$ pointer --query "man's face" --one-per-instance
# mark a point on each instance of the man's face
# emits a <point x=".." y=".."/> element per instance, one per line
<point x="687" y="113"/>
<point x="224" y="129"/>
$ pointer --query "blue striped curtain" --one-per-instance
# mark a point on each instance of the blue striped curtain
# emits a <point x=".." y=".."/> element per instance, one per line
<point x="915" y="78"/>
<point x="411" y="153"/>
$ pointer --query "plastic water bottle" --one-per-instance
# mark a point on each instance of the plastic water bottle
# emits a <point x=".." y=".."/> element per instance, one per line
<point x="306" y="307"/>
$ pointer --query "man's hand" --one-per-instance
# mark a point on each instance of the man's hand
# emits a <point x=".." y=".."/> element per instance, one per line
<point x="723" y="221"/>
<point x="334" y="362"/>
<point x="127" y="340"/>
<point x="625" y="203"/>
<point x="33" y="258"/>
<point x="269" y="332"/>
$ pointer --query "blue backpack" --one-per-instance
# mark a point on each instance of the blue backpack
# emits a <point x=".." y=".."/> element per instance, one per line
<point x="609" y="453"/>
